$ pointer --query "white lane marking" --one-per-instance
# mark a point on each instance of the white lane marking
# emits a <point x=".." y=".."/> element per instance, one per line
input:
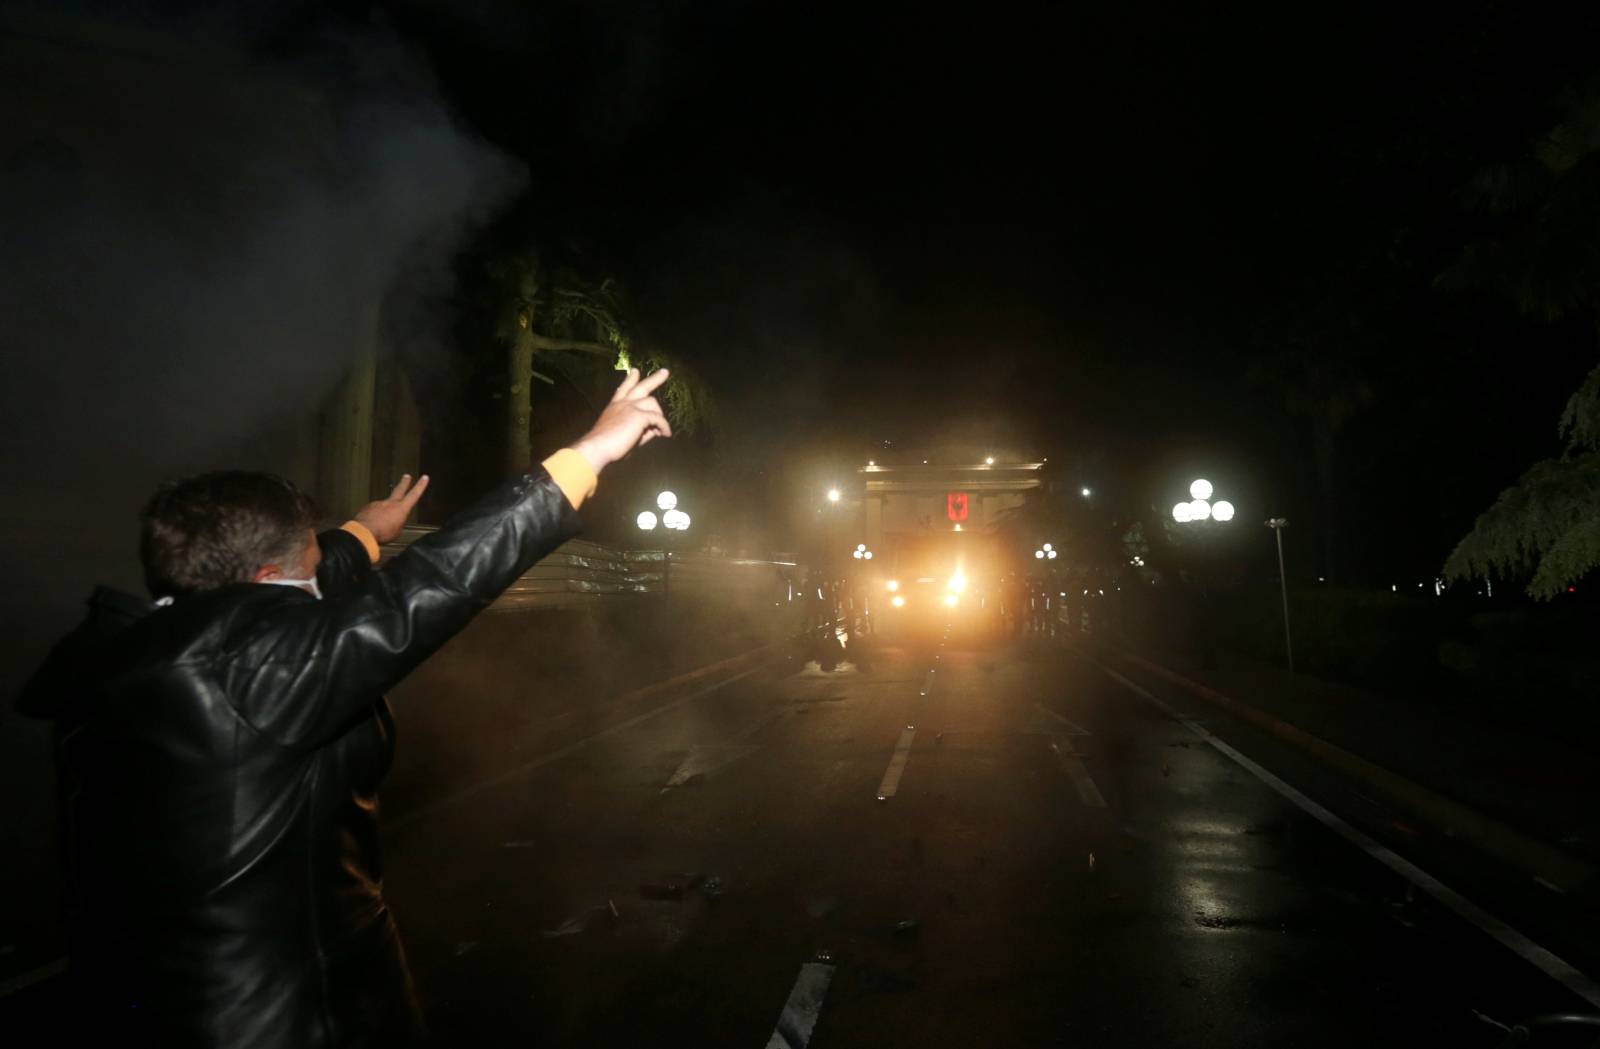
<point x="1072" y="762"/>
<point x="1547" y="961"/>
<point x="799" y="1016"/>
<point x="705" y="758"/>
<point x="33" y="976"/>
<point x="897" y="763"/>
<point x="1062" y="724"/>
<point x="567" y="751"/>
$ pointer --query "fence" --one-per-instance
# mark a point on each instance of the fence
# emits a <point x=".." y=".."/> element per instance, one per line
<point x="579" y="572"/>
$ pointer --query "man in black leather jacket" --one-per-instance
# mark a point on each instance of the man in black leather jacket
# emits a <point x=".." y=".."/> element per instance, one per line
<point x="221" y="749"/>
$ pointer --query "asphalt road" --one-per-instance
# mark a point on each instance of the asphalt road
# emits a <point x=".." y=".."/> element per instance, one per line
<point x="1059" y="861"/>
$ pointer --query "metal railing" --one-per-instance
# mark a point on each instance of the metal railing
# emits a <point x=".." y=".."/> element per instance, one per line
<point x="579" y="572"/>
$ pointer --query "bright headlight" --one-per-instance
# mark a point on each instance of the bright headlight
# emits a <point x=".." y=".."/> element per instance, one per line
<point x="958" y="583"/>
<point x="897" y="601"/>
<point x="893" y="585"/>
<point x="950" y="600"/>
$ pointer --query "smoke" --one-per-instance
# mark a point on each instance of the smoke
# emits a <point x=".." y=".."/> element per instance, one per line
<point x="196" y="242"/>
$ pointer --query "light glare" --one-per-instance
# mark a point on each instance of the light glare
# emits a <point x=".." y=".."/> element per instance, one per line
<point x="1200" y="510"/>
<point x="1223" y="511"/>
<point x="646" y="520"/>
<point x="666" y="501"/>
<point x="1200" y="490"/>
<point x="1183" y="513"/>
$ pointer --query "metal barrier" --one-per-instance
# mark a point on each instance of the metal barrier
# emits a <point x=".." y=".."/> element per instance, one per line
<point x="579" y="572"/>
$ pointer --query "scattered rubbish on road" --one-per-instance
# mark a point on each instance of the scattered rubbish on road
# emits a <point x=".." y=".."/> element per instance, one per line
<point x="671" y="887"/>
<point x="909" y="929"/>
<point x="580" y="922"/>
<point x="466" y="947"/>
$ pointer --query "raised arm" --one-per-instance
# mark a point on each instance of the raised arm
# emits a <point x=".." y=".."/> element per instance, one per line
<point x="318" y="664"/>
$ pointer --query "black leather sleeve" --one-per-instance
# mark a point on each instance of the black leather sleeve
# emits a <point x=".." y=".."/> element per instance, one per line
<point x="345" y="564"/>
<point x="310" y="667"/>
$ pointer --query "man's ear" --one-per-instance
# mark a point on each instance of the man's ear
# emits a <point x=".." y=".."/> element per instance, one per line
<point x="266" y="572"/>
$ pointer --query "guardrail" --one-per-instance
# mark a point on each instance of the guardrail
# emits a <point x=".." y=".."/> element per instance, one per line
<point x="579" y="572"/>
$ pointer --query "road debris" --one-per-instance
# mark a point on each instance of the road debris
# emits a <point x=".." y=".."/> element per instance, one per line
<point x="671" y="887"/>
<point x="581" y="921"/>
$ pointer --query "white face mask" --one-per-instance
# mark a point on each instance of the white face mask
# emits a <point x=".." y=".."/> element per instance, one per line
<point x="305" y="584"/>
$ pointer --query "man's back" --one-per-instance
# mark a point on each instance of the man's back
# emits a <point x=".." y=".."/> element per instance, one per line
<point x="220" y="874"/>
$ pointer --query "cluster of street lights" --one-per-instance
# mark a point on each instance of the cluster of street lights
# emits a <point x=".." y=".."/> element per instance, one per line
<point x="1045" y="553"/>
<point x="672" y="518"/>
<point x="861" y="553"/>
<point x="1199" y="506"/>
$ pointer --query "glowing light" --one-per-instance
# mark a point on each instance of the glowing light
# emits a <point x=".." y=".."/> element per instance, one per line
<point x="1051" y="554"/>
<point x="1223" y="511"/>
<point x="861" y="546"/>
<point x="666" y="501"/>
<point x="1200" y="489"/>
<point x="683" y="521"/>
<point x="988" y="461"/>
<point x="645" y="520"/>
<point x="958" y="583"/>
<point x="872" y="462"/>
<point x="856" y="554"/>
<point x="951" y="600"/>
<point x="676" y="520"/>
<point x="833" y="495"/>
<point x="893" y="585"/>
<point x="1183" y="513"/>
<point x="1199" y="510"/>
<point x="898" y="601"/>
<point x="867" y="554"/>
<point x="1039" y="554"/>
<point x="1085" y="492"/>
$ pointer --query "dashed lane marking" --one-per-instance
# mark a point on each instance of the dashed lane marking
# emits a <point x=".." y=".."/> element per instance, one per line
<point x="1072" y="762"/>
<point x="800" y="1012"/>
<point x="897" y="763"/>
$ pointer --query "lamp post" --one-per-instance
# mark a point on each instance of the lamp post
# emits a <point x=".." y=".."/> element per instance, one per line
<point x="1278" y="524"/>
<point x="673" y="520"/>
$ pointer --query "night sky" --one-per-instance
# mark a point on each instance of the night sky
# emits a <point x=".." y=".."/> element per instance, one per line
<point x="1086" y="227"/>
<point x="1146" y="240"/>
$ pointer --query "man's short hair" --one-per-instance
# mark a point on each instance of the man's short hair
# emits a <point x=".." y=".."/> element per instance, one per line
<point x="205" y="532"/>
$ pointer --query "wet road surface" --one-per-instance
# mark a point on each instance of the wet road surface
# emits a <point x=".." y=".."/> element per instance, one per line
<point x="1053" y="859"/>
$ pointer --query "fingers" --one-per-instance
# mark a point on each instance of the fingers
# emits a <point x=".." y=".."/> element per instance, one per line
<point x="646" y="387"/>
<point x="627" y="384"/>
<point x="411" y="497"/>
<point x="400" y="486"/>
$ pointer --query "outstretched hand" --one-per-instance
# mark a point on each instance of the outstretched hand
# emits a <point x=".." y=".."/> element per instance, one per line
<point x="633" y="417"/>
<point x="386" y="517"/>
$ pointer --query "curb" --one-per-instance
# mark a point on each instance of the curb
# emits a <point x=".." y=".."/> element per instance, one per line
<point x="1535" y="858"/>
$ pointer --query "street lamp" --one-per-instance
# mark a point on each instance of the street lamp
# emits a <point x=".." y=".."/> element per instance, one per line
<point x="1198" y="507"/>
<point x="646" y="520"/>
<point x="861" y="553"/>
<point x="833" y="495"/>
<point x="1086" y="493"/>
<point x="1045" y="553"/>
<point x="1278" y="524"/>
<point x="666" y="501"/>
